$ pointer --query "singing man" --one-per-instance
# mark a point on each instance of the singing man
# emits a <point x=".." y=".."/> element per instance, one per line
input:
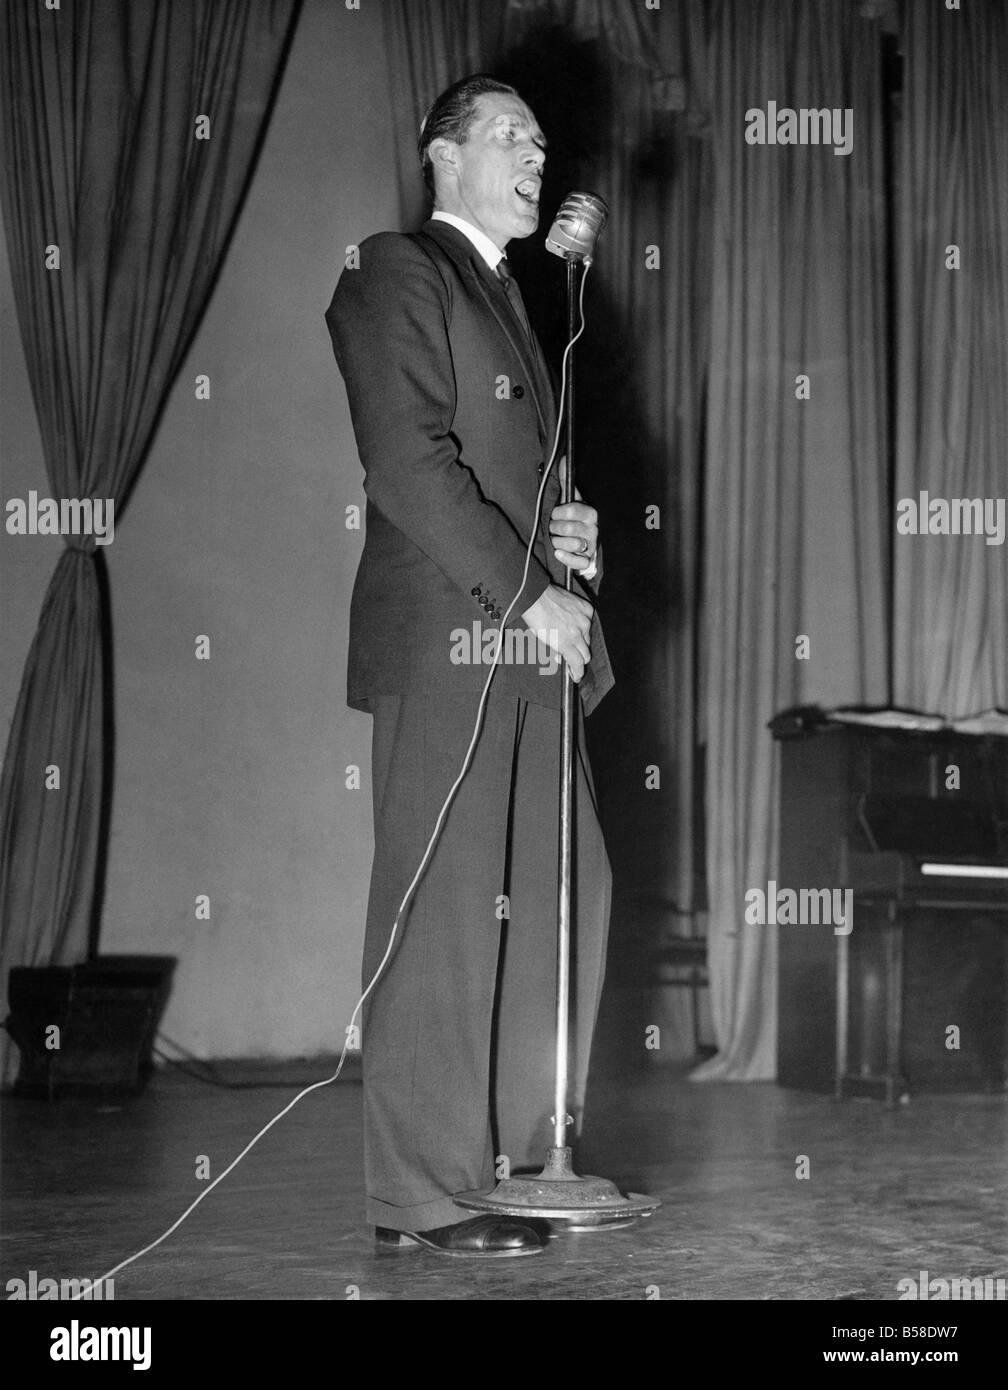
<point x="454" y="414"/>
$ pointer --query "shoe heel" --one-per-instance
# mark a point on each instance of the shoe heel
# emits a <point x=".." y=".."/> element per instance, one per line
<point x="387" y="1239"/>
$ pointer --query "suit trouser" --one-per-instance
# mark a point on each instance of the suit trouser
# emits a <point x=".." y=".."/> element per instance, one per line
<point x="458" y="1035"/>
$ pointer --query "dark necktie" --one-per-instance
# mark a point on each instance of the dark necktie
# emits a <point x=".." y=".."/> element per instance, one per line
<point x="514" y="296"/>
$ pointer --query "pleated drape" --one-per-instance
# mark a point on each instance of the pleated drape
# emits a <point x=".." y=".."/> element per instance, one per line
<point x="796" y="488"/>
<point x="951" y="592"/>
<point x="130" y="131"/>
<point x="774" y="491"/>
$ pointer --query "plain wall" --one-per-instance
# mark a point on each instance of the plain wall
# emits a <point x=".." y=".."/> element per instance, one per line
<point x="230" y="773"/>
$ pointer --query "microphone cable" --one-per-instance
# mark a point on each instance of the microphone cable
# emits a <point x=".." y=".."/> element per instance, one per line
<point x="425" y="860"/>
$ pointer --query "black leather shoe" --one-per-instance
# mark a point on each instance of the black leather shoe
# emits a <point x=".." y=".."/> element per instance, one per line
<point x="484" y="1237"/>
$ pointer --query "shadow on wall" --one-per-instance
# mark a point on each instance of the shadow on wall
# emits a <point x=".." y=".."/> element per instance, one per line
<point x="621" y="470"/>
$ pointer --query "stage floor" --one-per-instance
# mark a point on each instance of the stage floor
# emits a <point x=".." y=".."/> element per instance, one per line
<point x="890" y="1193"/>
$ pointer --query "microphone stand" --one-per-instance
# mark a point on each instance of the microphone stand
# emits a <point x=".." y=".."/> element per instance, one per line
<point x="557" y="1193"/>
<point x="568" y="735"/>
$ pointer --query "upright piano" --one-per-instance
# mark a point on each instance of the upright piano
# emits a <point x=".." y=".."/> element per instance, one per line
<point x="911" y="815"/>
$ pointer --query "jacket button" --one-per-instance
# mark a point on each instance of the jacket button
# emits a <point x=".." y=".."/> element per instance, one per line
<point x="518" y="392"/>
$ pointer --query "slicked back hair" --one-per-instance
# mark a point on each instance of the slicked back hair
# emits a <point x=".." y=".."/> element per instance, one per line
<point x="451" y="116"/>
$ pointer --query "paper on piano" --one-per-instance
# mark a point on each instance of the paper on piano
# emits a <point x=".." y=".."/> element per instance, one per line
<point x="988" y="721"/>
<point x="889" y="719"/>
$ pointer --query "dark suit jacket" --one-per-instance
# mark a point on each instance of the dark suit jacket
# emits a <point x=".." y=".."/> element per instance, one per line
<point x="454" y="420"/>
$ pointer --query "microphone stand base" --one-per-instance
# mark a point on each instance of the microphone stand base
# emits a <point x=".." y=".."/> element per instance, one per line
<point x="558" y="1194"/>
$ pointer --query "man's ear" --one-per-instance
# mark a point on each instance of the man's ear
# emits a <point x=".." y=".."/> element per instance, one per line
<point x="443" y="155"/>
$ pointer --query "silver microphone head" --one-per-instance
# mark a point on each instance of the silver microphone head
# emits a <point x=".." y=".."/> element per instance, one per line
<point x="577" y="227"/>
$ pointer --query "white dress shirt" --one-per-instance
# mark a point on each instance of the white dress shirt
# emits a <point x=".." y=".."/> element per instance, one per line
<point x="492" y="254"/>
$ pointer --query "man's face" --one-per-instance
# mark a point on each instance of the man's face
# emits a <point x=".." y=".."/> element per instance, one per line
<point x="504" y="151"/>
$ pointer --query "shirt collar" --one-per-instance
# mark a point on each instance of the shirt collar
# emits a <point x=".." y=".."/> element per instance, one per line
<point x="491" y="253"/>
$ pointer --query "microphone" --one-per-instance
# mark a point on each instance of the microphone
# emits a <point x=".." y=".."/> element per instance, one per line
<point x="577" y="226"/>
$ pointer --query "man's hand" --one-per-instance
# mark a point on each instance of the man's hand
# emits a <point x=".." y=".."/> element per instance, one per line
<point x="562" y="621"/>
<point x="574" y="531"/>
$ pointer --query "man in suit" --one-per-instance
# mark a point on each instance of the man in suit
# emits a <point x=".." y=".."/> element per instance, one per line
<point x="455" y="419"/>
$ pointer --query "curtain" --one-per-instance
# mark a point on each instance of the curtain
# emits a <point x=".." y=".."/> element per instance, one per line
<point x="794" y="530"/>
<point x="951" y="592"/>
<point x="776" y="509"/>
<point x="100" y="102"/>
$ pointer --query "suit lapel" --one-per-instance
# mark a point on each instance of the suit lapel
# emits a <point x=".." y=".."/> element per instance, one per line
<point x="460" y="249"/>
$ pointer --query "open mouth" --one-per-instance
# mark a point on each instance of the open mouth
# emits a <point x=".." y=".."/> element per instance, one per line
<point x="528" y="191"/>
